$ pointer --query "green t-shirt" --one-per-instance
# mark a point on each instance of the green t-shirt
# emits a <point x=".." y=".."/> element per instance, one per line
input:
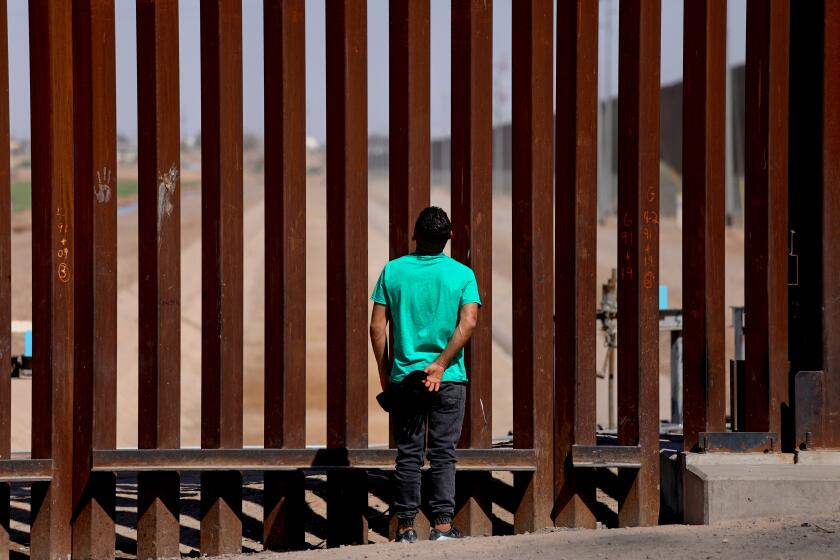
<point x="424" y="294"/>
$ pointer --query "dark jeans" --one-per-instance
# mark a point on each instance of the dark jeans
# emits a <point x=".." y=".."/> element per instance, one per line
<point x="443" y="411"/>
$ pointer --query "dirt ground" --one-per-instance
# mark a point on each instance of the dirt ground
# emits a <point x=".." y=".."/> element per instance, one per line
<point x="769" y="539"/>
<point x="802" y="538"/>
<point x="670" y="271"/>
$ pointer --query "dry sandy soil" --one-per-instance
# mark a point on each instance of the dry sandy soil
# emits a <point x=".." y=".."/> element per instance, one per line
<point x="670" y="269"/>
<point x="771" y="539"/>
<point x="803" y="538"/>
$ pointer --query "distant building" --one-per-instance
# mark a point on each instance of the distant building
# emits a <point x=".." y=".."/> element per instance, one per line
<point x="671" y="131"/>
<point x="126" y="150"/>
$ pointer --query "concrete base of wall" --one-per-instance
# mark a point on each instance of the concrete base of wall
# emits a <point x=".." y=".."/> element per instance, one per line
<point x="723" y="486"/>
<point x="818" y="458"/>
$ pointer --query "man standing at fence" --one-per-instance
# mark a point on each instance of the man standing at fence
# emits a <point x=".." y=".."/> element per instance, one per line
<point x="432" y="301"/>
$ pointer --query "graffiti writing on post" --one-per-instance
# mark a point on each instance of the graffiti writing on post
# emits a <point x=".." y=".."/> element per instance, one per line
<point x="63" y="269"/>
<point x="650" y="219"/>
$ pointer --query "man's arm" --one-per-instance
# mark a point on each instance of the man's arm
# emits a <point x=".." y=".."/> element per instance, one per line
<point x="466" y="325"/>
<point x="379" y="341"/>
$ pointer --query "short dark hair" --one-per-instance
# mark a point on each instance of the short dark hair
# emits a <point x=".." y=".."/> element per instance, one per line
<point x="433" y="227"/>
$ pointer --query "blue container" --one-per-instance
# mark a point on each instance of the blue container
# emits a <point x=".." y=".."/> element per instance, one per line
<point x="663" y="296"/>
<point x="27" y="343"/>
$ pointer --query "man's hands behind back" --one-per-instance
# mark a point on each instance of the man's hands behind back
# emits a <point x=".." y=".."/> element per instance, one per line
<point x="434" y="376"/>
<point x="468" y="317"/>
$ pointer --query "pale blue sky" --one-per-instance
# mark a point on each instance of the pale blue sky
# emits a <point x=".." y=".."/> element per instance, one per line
<point x="672" y="21"/>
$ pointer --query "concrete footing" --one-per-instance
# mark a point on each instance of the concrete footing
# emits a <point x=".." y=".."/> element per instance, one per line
<point x="726" y="486"/>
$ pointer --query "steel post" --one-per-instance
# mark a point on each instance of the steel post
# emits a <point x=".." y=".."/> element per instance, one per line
<point x="532" y="222"/>
<point x="831" y="225"/>
<point x="409" y="169"/>
<point x="638" y="256"/>
<point x="53" y="274"/>
<point x="472" y="201"/>
<point x="95" y="374"/>
<point x="408" y="110"/>
<point x="221" y="263"/>
<point x="285" y="268"/>
<point x="347" y="285"/>
<point x="814" y="288"/>
<point x="766" y="235"/>
<point x="805" y="216"/>
<point x="704" y="186"/>
<point x="159" y="194"/>
<point x="576" y="174"/>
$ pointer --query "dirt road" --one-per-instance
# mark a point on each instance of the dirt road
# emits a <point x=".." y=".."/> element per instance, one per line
<point x="800" y="538"/>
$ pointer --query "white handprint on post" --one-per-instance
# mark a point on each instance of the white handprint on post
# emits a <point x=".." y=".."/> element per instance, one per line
<point x="102" y="189"/>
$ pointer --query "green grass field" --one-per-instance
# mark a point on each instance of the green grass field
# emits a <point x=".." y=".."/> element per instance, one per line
<point x="126" y="187"/>
<point x="21" y="196"/>
<point x="22" y="192"/>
